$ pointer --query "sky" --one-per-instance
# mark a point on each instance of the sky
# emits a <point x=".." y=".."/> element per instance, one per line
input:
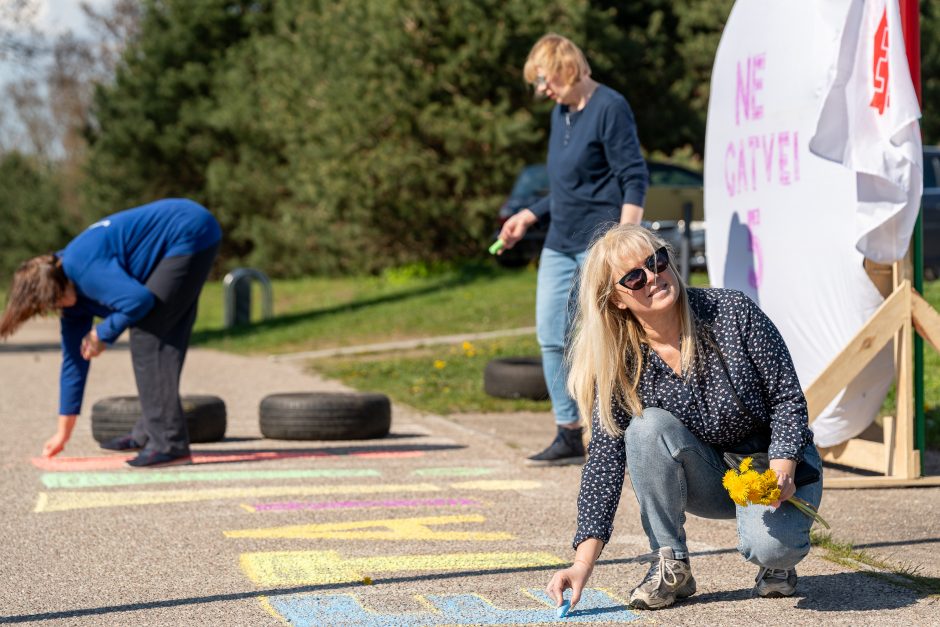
<point x="54" y="17"/>
<point x="57" y="16"/>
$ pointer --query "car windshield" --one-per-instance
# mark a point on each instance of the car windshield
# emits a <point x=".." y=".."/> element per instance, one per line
<point x="533" y="181"/>
<point x="665" y="175"/>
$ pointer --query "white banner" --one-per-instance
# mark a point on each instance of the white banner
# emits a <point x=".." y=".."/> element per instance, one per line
<point x="869" y="125"/>
<point x="780" y="220"/>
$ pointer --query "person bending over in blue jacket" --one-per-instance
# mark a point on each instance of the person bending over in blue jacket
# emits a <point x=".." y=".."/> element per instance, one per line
<point x="142" y="269"/>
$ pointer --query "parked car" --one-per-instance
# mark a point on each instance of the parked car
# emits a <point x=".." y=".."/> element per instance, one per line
<point x="532" y="184"/>
<point x="931" y="209"/>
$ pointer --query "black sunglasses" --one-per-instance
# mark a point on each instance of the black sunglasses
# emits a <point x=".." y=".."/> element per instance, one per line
<point x="636" y="279"/>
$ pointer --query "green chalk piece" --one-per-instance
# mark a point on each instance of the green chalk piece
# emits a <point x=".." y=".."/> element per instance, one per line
<point x="497" y="246"/>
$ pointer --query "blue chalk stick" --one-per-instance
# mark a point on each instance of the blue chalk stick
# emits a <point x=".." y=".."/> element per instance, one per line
<point x="562" y="610"/>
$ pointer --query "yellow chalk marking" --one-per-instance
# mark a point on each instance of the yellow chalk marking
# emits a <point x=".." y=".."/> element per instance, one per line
<point x="302" y="568"/>
<point x="427" y="605"/>
<point x="394" y="529"/>
<point x="496" y="485"/>
<point x="266" y="605"/>
<point x="41" y="502"/>
<point x="63" y="501"/>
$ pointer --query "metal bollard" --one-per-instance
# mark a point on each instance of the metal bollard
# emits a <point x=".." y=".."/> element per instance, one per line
<point x="685" y="252"/>
<point x="237" y="296"/>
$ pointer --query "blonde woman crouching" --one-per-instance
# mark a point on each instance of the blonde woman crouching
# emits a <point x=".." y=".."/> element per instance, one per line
<point x="673" y="376"/>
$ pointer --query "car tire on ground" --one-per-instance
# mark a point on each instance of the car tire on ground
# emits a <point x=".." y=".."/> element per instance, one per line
<point x="115" y="416"/>
<point x="325" y="416"/>
<point x="515" y="377"/>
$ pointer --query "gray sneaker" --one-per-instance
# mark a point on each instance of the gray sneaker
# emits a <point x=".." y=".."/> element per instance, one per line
<point x="668" y="579"/>
<point x="774" y="583"/>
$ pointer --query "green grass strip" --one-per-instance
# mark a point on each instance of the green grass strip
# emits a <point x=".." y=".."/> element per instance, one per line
<point x="845" y="554"/>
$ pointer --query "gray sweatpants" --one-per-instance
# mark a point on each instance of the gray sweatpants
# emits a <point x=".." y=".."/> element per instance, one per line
<point x="158" y="349"/>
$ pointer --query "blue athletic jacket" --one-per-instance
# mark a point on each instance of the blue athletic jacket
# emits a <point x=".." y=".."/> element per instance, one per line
<point x="109" y="263"/>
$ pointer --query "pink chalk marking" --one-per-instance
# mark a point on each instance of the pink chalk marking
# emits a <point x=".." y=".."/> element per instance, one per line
<point x="768" y="154"/>
<point x="729" y="173"/>
<point x="742" y="167"/>
<point x="746" y="88"/>
<point x="755" y="274"/>
<point x="753" y="142"/>
<point x="778" y="152"/>
<point x="118" y="461"/>
<point x="783" y="145"/>
<point x="796" y="156"/>
<point x="295" y="505"/>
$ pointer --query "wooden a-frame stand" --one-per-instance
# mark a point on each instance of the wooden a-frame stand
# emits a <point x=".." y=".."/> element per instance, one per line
<point x="895" y="458"/>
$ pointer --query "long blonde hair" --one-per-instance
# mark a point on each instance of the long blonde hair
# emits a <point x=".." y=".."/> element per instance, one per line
<point x="606" y="355"/>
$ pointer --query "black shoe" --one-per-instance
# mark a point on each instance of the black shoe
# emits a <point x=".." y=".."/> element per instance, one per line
<point x="567" y="448"/>
<point x="123" y="443"/>
<point x="152" y="459"/>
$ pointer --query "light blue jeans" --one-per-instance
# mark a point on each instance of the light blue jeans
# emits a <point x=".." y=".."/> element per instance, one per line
<point x="673" y="472"/>
<point x="558" y="273"/>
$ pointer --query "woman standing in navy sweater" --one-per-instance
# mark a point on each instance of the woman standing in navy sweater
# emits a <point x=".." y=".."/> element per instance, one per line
<point x="598" y="178"/>
<point x="141" y="269"/>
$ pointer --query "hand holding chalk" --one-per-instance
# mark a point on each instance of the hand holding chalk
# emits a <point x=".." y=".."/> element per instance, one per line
<point x="562" y="609"/>
<point x="497" y="246"/>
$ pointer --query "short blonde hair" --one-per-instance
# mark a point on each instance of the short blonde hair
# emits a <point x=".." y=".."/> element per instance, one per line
<point x="559" y="57"/>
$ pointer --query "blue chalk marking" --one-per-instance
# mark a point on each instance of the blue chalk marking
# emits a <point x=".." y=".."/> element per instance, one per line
<point x="562" y="610"/>
<point x="313" y="609"/>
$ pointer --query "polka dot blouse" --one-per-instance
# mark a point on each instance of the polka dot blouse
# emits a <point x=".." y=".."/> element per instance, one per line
<point x="766" y="394"/>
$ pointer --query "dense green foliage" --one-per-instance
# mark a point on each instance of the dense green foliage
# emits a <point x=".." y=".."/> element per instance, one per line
<point x="930" y="70"/>
<point x="348" y="137"/>
<point x="354" y="136"/>
<point x="29" y="212"/>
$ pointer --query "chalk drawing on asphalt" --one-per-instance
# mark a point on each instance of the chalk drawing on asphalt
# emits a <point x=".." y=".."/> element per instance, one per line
<point x="113" y="462"/>
<point x="310" y="568"/>
<point x="293" y="506"/>
<point x="58" y="501"/>
<point x="389" y="529"/>
<point x="596" y="606"/>
<point x="57" y="480"/>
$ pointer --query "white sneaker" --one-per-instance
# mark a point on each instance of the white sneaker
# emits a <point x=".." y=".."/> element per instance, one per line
<point x="668" y="579"/>
<point x="774" y="583"/>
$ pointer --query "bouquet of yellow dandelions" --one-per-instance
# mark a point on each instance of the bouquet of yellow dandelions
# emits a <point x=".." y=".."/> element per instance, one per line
<point x="746" y="486"/>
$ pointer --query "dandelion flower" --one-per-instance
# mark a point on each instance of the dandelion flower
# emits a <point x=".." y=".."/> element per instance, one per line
<point x="440" y="364"/>
<point x="746" y="487"/>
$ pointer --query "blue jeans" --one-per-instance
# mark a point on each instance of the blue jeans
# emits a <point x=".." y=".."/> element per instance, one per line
<point x="553" y="316"/>
<point x="673" y="472"/>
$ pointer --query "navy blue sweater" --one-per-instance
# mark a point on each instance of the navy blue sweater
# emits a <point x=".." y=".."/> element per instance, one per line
<point x="594" y="168"/>
<point x="109" y="263"/>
